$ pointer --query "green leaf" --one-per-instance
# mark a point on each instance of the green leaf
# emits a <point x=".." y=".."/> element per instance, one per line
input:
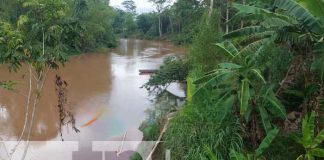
<point x="266" y="142"/>
<point x="318" y="139"/>
<point x="210" y="154"/>
<point x="308" y="127"/>
<point x="276" y="105"/>
<point x="265" y="119"/>
<point x="206" y="77"/>
<point x="304" y="16"/>
<point x="212" y="79"/>
<point x="317" y="152"/>
<point x="244" y="96"/>
<point x="236" y="155"/>
<point x="297" y="138"/>
<point x="22" y="20"/>
<point x="256" y="47"/>
<point x="316" y="7"/>
<point x="224" y="106"/>
<point x="301" y="157"/>
<point x="246" y="31"/>
<point x="228" y="48"/>
<point x="257" y="72"/>
<point x="230" y="66"/>
<point x="253" y="12"/>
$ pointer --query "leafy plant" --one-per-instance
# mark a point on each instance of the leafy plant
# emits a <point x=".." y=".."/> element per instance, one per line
<point x="259" y="151"/>
<point x="247" y="82"/>
<point x="309" y="140"/>
<point x="174" y="69"/>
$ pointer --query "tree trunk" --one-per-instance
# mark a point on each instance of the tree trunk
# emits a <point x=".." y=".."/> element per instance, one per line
<point x="242" y="22"/>
<point x="227" y="17"/>
<point x="160" y="25"/>
<point x="171" y="24"/>
<point x="211" y="8"/>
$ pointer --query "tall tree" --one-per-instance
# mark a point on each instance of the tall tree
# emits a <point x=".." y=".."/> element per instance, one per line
<point x="160" y="6"/>
<point x="130" y="6"/>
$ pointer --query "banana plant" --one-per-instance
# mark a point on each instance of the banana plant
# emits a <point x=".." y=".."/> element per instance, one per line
<point x="309" y="140"/>
<point x="257" y="155"/>
<point x="299" y="22"/>
<point x="243" y="79"/>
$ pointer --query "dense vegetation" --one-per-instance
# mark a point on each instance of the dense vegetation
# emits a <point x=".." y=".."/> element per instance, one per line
<point x="255" y="87"/>
<point x="254" y="71"/>
<point x="42" y="34"/>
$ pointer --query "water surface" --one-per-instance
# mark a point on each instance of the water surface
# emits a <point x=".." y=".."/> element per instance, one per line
<point x="103" y="89"/>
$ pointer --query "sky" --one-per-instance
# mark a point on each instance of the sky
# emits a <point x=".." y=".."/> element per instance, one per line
<point x="142" y="5"/>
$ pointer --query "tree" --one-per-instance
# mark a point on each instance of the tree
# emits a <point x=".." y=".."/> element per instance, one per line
<point x="160" y="6"/>
<point x="130" y="6"/>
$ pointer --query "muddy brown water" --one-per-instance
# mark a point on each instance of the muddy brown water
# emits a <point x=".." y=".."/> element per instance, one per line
<point x="103" y="90"/>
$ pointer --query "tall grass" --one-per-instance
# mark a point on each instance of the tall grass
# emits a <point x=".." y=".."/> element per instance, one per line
<point x="195" y="131"/>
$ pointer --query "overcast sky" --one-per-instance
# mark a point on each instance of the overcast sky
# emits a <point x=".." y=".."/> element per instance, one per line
<point x="142" y="5"/>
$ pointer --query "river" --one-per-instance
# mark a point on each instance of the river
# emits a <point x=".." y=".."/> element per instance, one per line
<point x="103" y="91"/>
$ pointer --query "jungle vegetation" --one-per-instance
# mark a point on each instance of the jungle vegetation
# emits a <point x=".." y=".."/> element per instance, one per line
<point x="254" y="71"/>
<point x="255" y="80"/>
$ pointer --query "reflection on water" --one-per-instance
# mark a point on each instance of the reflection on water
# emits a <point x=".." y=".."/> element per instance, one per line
<point x="103" y="89"/>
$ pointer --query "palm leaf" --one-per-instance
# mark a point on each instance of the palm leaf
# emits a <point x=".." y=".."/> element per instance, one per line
<point x="255" y="37"/>
<point x="308" y="127"/>
<point x="316" y="7"/>
<point x="266" y="142"/>
<point x="255" y="47"/>
<point x="317" y="152"/>
<point x="212" y="79"/>
<point x="257" y="72"/>
<point x="246" y="31"/>
<point x="318" y="139"/>
<point x="224" y="106"/>
<point x="228" y="48"/>
<point x="304" y="16"/>
<point x="245" y="10"/>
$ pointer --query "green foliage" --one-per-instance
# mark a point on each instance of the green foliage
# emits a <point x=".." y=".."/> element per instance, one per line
<point x="196" y="132"/>
<point x="124" y="23"/>
<point x="174" y="69"/>
<point x="244" y="79"/>
<point x="8" y="85"/>
<point x="234" y="155"/>
<point x="203" y="54"/>
<point x="146" y="24"/>
<point x="130" y="6"/>
<point x="309" y="140"/>
<point x="44" y="32"/>
<point x="163" y="105"/>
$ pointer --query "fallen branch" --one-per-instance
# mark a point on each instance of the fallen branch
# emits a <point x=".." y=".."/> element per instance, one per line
<point x="160" y="137"/>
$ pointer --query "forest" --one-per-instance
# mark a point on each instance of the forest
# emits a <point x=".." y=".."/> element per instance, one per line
<point x="253" y="69"/>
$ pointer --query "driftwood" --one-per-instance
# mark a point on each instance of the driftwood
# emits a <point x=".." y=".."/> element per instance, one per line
<point x="147" y="71"/>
